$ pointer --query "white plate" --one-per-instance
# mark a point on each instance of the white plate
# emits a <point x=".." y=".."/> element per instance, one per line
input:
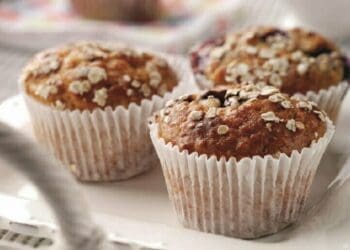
<point x="139" y="209"/>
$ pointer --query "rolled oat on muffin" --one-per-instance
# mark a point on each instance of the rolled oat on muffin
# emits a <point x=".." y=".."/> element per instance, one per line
<point x="239" y="161"/>
<point x="89" y="103"/>
<point x="295" y="60"/>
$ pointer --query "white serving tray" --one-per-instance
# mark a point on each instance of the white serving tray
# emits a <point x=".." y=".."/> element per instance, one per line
<point x="138" y="210"/>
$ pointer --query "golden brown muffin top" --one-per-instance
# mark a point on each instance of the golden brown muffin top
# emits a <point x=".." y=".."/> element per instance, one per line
<point x="243" y="121"/>
<point x="89" y="75"/>
<point x="294" y="60"/>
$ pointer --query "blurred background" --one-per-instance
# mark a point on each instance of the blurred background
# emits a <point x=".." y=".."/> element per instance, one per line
<point x="27" y="26"/>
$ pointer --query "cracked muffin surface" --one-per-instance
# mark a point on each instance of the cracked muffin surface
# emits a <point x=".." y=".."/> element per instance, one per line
<point x="240" y="121"/>
<point x="293" y="60"/>
<point x="89" y="75"/>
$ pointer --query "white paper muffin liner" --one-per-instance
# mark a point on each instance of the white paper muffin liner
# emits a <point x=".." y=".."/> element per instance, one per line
<point x="329" y="100"/>
<point x="247" y="199"/>
<point x="109" y="144"/>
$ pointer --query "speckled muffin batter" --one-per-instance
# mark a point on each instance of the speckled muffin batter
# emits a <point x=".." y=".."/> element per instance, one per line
<point x="89" y="75"/>
<point x="293" y="60"/>
<point x="241" y="121"/>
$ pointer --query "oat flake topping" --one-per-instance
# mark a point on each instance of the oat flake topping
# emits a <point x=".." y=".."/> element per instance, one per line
<point x="211" y="113"/>
<point x="207" y="123"/>
<point x="79" y="87"/>
<point x="196" y="115"/>
<point x="291" y="125"/>
<point x="59" y="105"/>
<point x="270" y="117"/>
<point x="96" y="74"/>
<point x="45" y="90"/>
<point x="100" y="97"/>
<point x="84" y="68"/>
<point x="271" y="56"/>
<point x="235" y="97"/>
<point x="222" y="129"/>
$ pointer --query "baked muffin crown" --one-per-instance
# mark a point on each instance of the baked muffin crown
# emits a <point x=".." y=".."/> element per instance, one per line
<point x="89" y="75"/>
<point x="294" y="60"/>
<point x="241" y="121"/>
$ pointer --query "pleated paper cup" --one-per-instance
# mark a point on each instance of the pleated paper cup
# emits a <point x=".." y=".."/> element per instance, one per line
<point x="249" y="198"/>
<point x="105" y="144"/>
<point x="330" y="99"/>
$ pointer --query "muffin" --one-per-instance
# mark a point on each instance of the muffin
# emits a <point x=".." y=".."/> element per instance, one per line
<point x="239" y="161"/>
<point x="89" y="103"/>
<point x="127" y="10"/>
<point x="294" y="60"/>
